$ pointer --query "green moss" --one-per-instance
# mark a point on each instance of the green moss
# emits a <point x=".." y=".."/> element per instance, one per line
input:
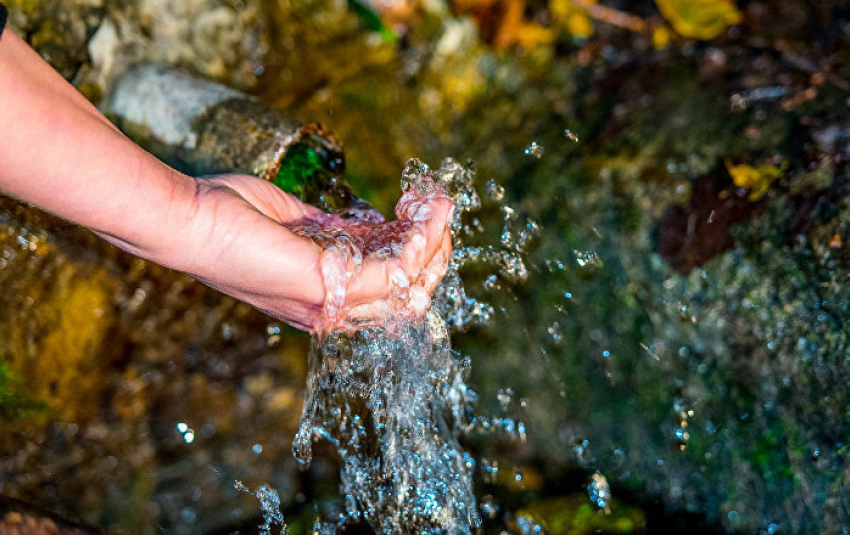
<point x="573" y="515"/>
<point x="13" y="404"/>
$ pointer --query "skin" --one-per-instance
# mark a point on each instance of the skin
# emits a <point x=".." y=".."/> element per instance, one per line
<point x="57" y="151"/>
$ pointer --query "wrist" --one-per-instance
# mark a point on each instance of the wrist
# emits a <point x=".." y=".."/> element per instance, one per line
<point x="159" y="224"/>
<point x="172" y="237"/>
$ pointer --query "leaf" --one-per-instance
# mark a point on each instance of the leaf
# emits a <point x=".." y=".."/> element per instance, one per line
<point x="661" y="37"/>
<point x="700" y="19"/>
<point x="532" y="35"/>
<point x="371" y="20"/>
<point x="574" y="18"/>
<point x="756" y="179"/>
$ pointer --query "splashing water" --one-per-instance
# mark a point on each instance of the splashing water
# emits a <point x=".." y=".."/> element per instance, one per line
<point x="599" y="492"/>
<point x="394" y="407"/>
<point x="355" y="236"/>
<point x="270" y="505"/>
<point x="534" y="149"/>
<point x="391" y="395"/>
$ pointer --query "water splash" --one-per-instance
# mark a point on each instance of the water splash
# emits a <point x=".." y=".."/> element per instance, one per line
<point x="505" y="260"/>
<point x="270" y="506"/>
<point x="353" y="237"/>
<point x="534" y="149"/>
<point x="599" y="492"/>
<point x="527" y="526"/>
<point x="392" y="397"/>
<point x="394" y="407"/>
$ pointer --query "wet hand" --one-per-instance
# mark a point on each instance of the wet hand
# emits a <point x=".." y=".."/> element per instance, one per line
<point x="244" y="237"/>
<point x="383" y="272"/>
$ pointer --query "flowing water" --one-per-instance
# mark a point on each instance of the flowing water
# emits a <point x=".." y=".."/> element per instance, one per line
<point x="392" y="398"/>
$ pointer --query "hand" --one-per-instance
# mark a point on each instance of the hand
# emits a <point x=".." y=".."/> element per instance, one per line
<point x="235" y="233"/>
<point x="245" y="238"/>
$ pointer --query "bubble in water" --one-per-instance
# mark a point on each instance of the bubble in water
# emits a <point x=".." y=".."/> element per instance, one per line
<point x="534" y="149"/>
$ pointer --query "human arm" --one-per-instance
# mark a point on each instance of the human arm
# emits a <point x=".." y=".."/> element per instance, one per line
<point x="59" y="153"/>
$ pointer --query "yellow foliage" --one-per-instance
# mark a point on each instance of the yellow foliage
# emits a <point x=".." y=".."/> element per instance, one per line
<point x="461" y="83"/>
<point x="532" y="35"/>
<point x="700" y="19"/>
<point x="572" y="17"/>
<point x="661" y="37"/>
<point x="756" y="179"/>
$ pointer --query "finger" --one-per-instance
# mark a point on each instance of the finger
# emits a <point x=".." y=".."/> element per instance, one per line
<point x="431" y="221"/>
<point x="437" y="267"/>
<point x="376" y="280"/>
<point x="413" y="253"/>
<point x="367" y="314"/>
<point x="270" y="200"/>
<point x="437" y="227"/>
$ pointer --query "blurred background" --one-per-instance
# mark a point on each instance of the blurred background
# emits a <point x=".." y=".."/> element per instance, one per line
<point x="684" y="333"/>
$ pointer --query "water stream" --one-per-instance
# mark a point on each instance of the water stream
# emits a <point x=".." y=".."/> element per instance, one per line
<point x="392" y="398"/>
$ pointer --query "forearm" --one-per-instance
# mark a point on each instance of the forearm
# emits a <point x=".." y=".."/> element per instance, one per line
<point x="58" y="152"/>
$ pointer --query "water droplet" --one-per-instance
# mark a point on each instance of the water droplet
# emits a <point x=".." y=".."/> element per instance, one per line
<point x="489" y="507"/>
<point x="599" y="491"/>
<point x="270" y="506"/>
<point x="494" y="191"/>
<point x="534" y="149"/>
<point x="188" y="515"/>
<point x="555" y="331"/>
<point x="505" y="395"/>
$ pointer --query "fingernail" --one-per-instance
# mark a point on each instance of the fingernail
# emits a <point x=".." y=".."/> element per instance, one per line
<point x="450" y="215"/>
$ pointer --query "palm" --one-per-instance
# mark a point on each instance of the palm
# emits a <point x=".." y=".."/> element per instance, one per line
<point x="245" y="248"/>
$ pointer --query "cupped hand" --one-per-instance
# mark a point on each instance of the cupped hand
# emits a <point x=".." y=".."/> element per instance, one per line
<point x="247" y="239"/>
